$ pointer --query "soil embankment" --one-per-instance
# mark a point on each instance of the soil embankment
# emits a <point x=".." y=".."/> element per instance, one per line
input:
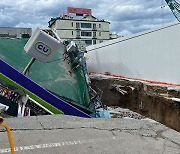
<point x="158" y="102"/>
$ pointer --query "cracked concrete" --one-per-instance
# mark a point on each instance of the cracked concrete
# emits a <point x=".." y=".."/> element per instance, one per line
<point x="70" y="134"/>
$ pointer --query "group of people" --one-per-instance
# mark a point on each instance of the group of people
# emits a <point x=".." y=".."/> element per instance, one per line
<point x="9" y="94"/>
<point x="19" y="100"/>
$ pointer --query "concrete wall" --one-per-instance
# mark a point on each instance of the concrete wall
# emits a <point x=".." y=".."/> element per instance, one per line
<point x="64" y="24"/>
<point x="151" y="55"/>
<point x="64" y="33"/>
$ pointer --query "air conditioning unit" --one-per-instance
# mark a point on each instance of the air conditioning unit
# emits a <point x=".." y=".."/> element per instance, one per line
<point x="43" y="44"/>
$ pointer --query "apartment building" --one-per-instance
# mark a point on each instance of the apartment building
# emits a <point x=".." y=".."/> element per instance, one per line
<point x="79" y="25"/>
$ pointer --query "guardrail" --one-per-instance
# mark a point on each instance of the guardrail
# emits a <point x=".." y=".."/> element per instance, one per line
<point x="9" y="135"/>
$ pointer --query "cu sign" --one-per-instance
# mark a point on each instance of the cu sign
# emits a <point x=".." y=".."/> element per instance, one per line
<point x="43" y="48"/>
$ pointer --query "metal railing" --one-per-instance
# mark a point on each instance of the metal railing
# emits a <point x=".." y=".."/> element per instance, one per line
<point x="9" y="135"/>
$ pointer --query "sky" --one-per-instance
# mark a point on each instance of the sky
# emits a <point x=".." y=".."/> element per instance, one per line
<point x="126" y="16"/>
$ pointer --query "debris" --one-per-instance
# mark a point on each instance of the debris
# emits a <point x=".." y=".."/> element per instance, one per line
<point x="117" y="112"/>
<point x="119" y="89"/>
<point x="159" y="102"/>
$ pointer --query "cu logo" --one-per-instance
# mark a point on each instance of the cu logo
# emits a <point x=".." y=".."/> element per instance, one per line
<point x="43" y="48"/>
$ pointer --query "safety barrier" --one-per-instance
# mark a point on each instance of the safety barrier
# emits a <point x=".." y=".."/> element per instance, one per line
<point x="9" y="135"/>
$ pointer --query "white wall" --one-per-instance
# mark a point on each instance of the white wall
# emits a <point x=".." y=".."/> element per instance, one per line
<point x="66" y="33"/>
<point x="64" y="24"/>
<point x="151" y="55"/>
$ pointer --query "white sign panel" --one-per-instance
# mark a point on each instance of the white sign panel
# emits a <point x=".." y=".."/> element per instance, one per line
<point x="43" y="45"/>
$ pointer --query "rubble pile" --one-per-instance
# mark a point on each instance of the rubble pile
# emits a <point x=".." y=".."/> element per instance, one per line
<point x="117" y="112"/>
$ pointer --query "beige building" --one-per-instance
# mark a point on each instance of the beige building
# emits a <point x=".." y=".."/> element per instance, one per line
<point x="84" y="27"/>
<point x="15" y="32"/>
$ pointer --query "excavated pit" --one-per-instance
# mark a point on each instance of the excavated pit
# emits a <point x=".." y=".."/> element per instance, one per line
<point x="159" y="102"/>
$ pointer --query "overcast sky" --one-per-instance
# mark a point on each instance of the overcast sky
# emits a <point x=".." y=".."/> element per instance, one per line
<point x="126" y="16"/>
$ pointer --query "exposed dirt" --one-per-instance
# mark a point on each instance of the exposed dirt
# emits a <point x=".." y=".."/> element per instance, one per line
<point x="153" y="101"/>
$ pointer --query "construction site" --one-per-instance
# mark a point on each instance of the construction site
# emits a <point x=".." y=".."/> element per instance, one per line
<point x="103" y="94"/>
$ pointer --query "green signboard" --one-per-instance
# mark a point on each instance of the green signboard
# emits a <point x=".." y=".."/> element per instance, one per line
<point x="53" y="76"/>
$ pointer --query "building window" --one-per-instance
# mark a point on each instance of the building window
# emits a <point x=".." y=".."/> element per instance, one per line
<point x="78" y="33"/>
<point x="94" y="26"/>
<point x="72" y="32"/>
<point x="94" y="34"/>
<point x="72" y="24"/>
<point x="99" y="33"/>
<point x="94" y="41"/>
<point x="88" y="42"/>
<point x="85" y="25"/>
<point x="77" y="25"/>
<point x="99" y="25"/>
<point x="86" y="34"/>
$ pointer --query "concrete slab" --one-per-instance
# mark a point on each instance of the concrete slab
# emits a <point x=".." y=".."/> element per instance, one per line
<point x="66" y="134"/>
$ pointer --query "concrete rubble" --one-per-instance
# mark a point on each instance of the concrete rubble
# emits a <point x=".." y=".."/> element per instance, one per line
<point x="66" y="134"/>
<point x="117" y="112"/>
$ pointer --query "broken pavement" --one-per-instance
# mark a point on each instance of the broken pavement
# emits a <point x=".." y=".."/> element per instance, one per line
<point x="66" y="134"/>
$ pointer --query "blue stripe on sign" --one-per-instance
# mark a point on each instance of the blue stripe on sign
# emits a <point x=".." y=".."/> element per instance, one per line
<point x="33" y="87"/>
